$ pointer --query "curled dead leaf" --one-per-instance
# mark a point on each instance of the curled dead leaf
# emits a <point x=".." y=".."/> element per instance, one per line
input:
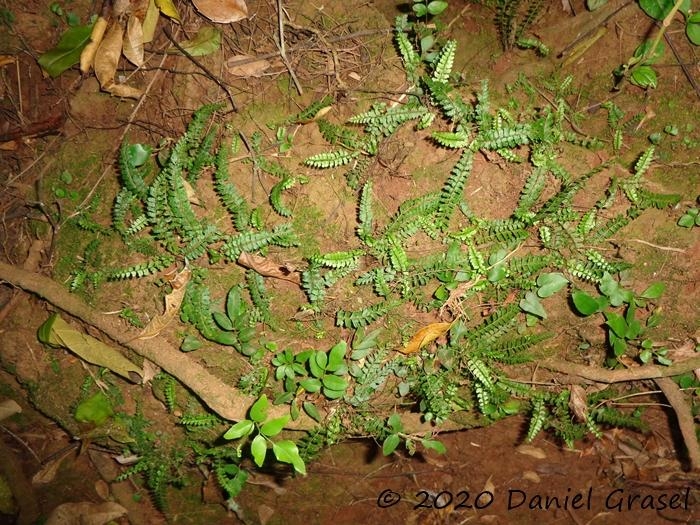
<point x="578" y="402"/>
<point x="172" y="305"/>
<point x="133" y="43"/>
<point x="9" y="408"/>
<point x="255" y="68"/>
<point x="150" y="21"/>
<point x="425" y="336"/>
<point x="222" y="11"/>
<point x="87" y="56"/>
<point x="107" y="56"/>
<point x="268" y="268"/>
<point x="122" y="90"/>
<point x="530" y="450"/>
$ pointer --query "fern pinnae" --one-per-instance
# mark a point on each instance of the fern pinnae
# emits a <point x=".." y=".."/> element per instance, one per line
<point x="131" y="176"/>
<point x="330" y="159"/>
<point x="276" y="196"/>
<point x="453" y="189"/>
<point x="443" y="66"/>
<point x="155" y="265"/>
<point x="365" y="227"/>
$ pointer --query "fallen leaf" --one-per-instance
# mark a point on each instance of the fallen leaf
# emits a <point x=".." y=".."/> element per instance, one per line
<point x="250" y="69"/>
<point x="107" y="56"/>
<point x="85" y="513"/>
<point x="532" y="476"/>
<point x="578" y="402"/>
<point x="133" y="43"/>
<point x="265" y="513"/>
<point x="530" y="450"/>
<point x="87" y="57"/>
<point x="172" y="305"/>
<point x="48" y="471"/>
<point x="67" y="52"/>
<point x="58" y="333"/>
<point x="168" y="9"/>
<point x="425" y="336"/>
<point x="9" y="408"/>
<point x="222" y="11"/>
<point x="205" y="42"/>
<point x="150" y="21"/>
<point x="150" y="370"/>
<point x="268" y="268"/>
<point x="191" y="194"/>
<point x="122" y="90"/>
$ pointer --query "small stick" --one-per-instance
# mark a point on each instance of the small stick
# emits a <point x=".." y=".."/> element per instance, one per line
<point x="282" y="49"/>
<point x="201" y="66"/>
<point x="684" y="415"/>
<point x="658" y="247"/>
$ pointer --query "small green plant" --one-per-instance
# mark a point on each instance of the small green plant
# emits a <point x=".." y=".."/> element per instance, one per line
<point x="625" y="331"/>
<point x="690" y="218"/>
<point x="513" y="19"/>
<point x="397" y="433"/>
<point x="262" y="429"/>
<point x="425" y="8"/>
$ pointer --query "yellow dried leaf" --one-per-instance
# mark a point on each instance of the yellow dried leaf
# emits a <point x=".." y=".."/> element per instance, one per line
<point x="578" y="402"/>
<point x="269" y="268"/>
<point x="222" y="11"/>
<point x="150" y="21"/>
<point x="133" y="43"/>
<point x="425" y="336"/>
<point x="87" y="56"/>
<point x="107" y="56"/>
<point x="168" y="9"/>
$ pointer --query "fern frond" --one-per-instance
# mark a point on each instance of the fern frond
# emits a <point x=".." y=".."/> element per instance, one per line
<point x="156" y="264"/>
<point x="331" y="159"/>
<point x="235" y="204"/>
<point x="411" y="59"/>
<point x="452" y="192"/>
<point x="451" y="139"/>
<point x="337" y="259"/>
<point x="358" y="318"/>
<point x="335" y="134"/>
<point x="276" y="195"/>
<point x="445" y="60"/>
<point x="132" y="176"/>
<point x="537" y="418"/>
<point x="644" y="161"/>
<point x="199" y="420"/>
<point x="365" y="227"/>
<point x="281" y="235"/>
<point x="480" y="371"/>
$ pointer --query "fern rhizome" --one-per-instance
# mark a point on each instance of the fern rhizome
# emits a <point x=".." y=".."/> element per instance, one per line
<point x="482" y="276"/>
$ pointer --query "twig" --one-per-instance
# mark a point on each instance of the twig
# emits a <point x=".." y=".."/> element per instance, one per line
<point x="685" y="418"/>
<point x="201" y="66"/>
<point x="658" y="247"/>
<point x="602" y="375"/>
<point x="282" y="49"/>
<point x="684" y="67"/>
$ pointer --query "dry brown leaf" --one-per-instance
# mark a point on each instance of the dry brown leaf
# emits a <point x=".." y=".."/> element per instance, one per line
<point x="107" y="56"/>
<point x="249" y="69"/>
<point x="268" y="268"/>
<point x="150" y="21"/>
<point x="87" y="56"/>
<point x="48" y="471"/>
<point x="6" y="60"/>
<point x="122" y="90"/>
<point x="8" y="408"/>
<point x="133" y="43"/>
<point x="172" y="305"/>
<point x="530" y="450"/>
<point x="191" y="194"/>
<point x="85" y="513"/>
<point x="425" y="336"/>
<point x="531" y="476"/>
<point x="578" y="402"/>
<point x="222" y="11"/>
<point x="150" y="370"/>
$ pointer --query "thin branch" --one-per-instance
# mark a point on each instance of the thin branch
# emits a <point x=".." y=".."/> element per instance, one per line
<point x="684" y="415"/>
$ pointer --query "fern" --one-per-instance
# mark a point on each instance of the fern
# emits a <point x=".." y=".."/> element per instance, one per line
<point x="443" y="65"/>
<point x="362" y="317"/>
<point x="530" y="195"/>
<point x="199" y="420"/>
<point x="451" y="139"/>
<point x="276" y="195"/>
<point x="281" y="235"/>
<point x="537" y="418"/>
<point x="310" y="112"/>
<point x="411" y="59"/>
<point x="232" y="200"/>
<point x="331" y="159"/>
<point x="132" y="176"/>
<point x="452" y="192"/>
<point x="365" y="215"/>
<point x="337" y="259"/>
<point x="258" y="295"/>
<point x="155" y="265"/>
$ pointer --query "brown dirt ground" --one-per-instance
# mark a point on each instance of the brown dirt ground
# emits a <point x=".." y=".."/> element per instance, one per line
<point x="629" y="475"/>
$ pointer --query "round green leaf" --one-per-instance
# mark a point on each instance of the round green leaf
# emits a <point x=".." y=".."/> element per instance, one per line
<point x="96" y="409"/>
<point x="435" y="445"/>
<point x="274" y="426"/>
<point x="644" y="77"/>
<point x="336" y="355"/>
<point x="436" y="7"/>
<point x="335" y="383"/>
<point x="686" y="221"/>
<point x="420" y="10"/>
<point x="312" y="411"/>
<point x="258" y="412"/>
<point x="584" y="303"/>
<point x="190" y="343"/>
<point x="223" y="321"/>
<point x="311" y="385"/>
<point x="550" y="283"/>
<point x="692" y="28"/>
<point x="657" y="9"/>
<point x="286" y="451"/>
<point x="390" y="443"/>
<point x="592" y="5"/>
<point x="532" y="305"/>
<point x="240" y="429"/>
<point x="616" y="323"/>
<point x="138" y="154"/>
<point x="654" y="291"/>
<point x="258" y="449"/>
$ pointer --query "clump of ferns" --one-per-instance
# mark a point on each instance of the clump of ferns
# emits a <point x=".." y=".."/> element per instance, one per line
<point x="513" y="19"/>
<point x="162" y="210"/>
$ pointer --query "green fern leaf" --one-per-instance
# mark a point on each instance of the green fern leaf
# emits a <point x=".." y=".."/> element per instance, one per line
<point x="331" y="159"/>
<point x="445" y="60"/>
